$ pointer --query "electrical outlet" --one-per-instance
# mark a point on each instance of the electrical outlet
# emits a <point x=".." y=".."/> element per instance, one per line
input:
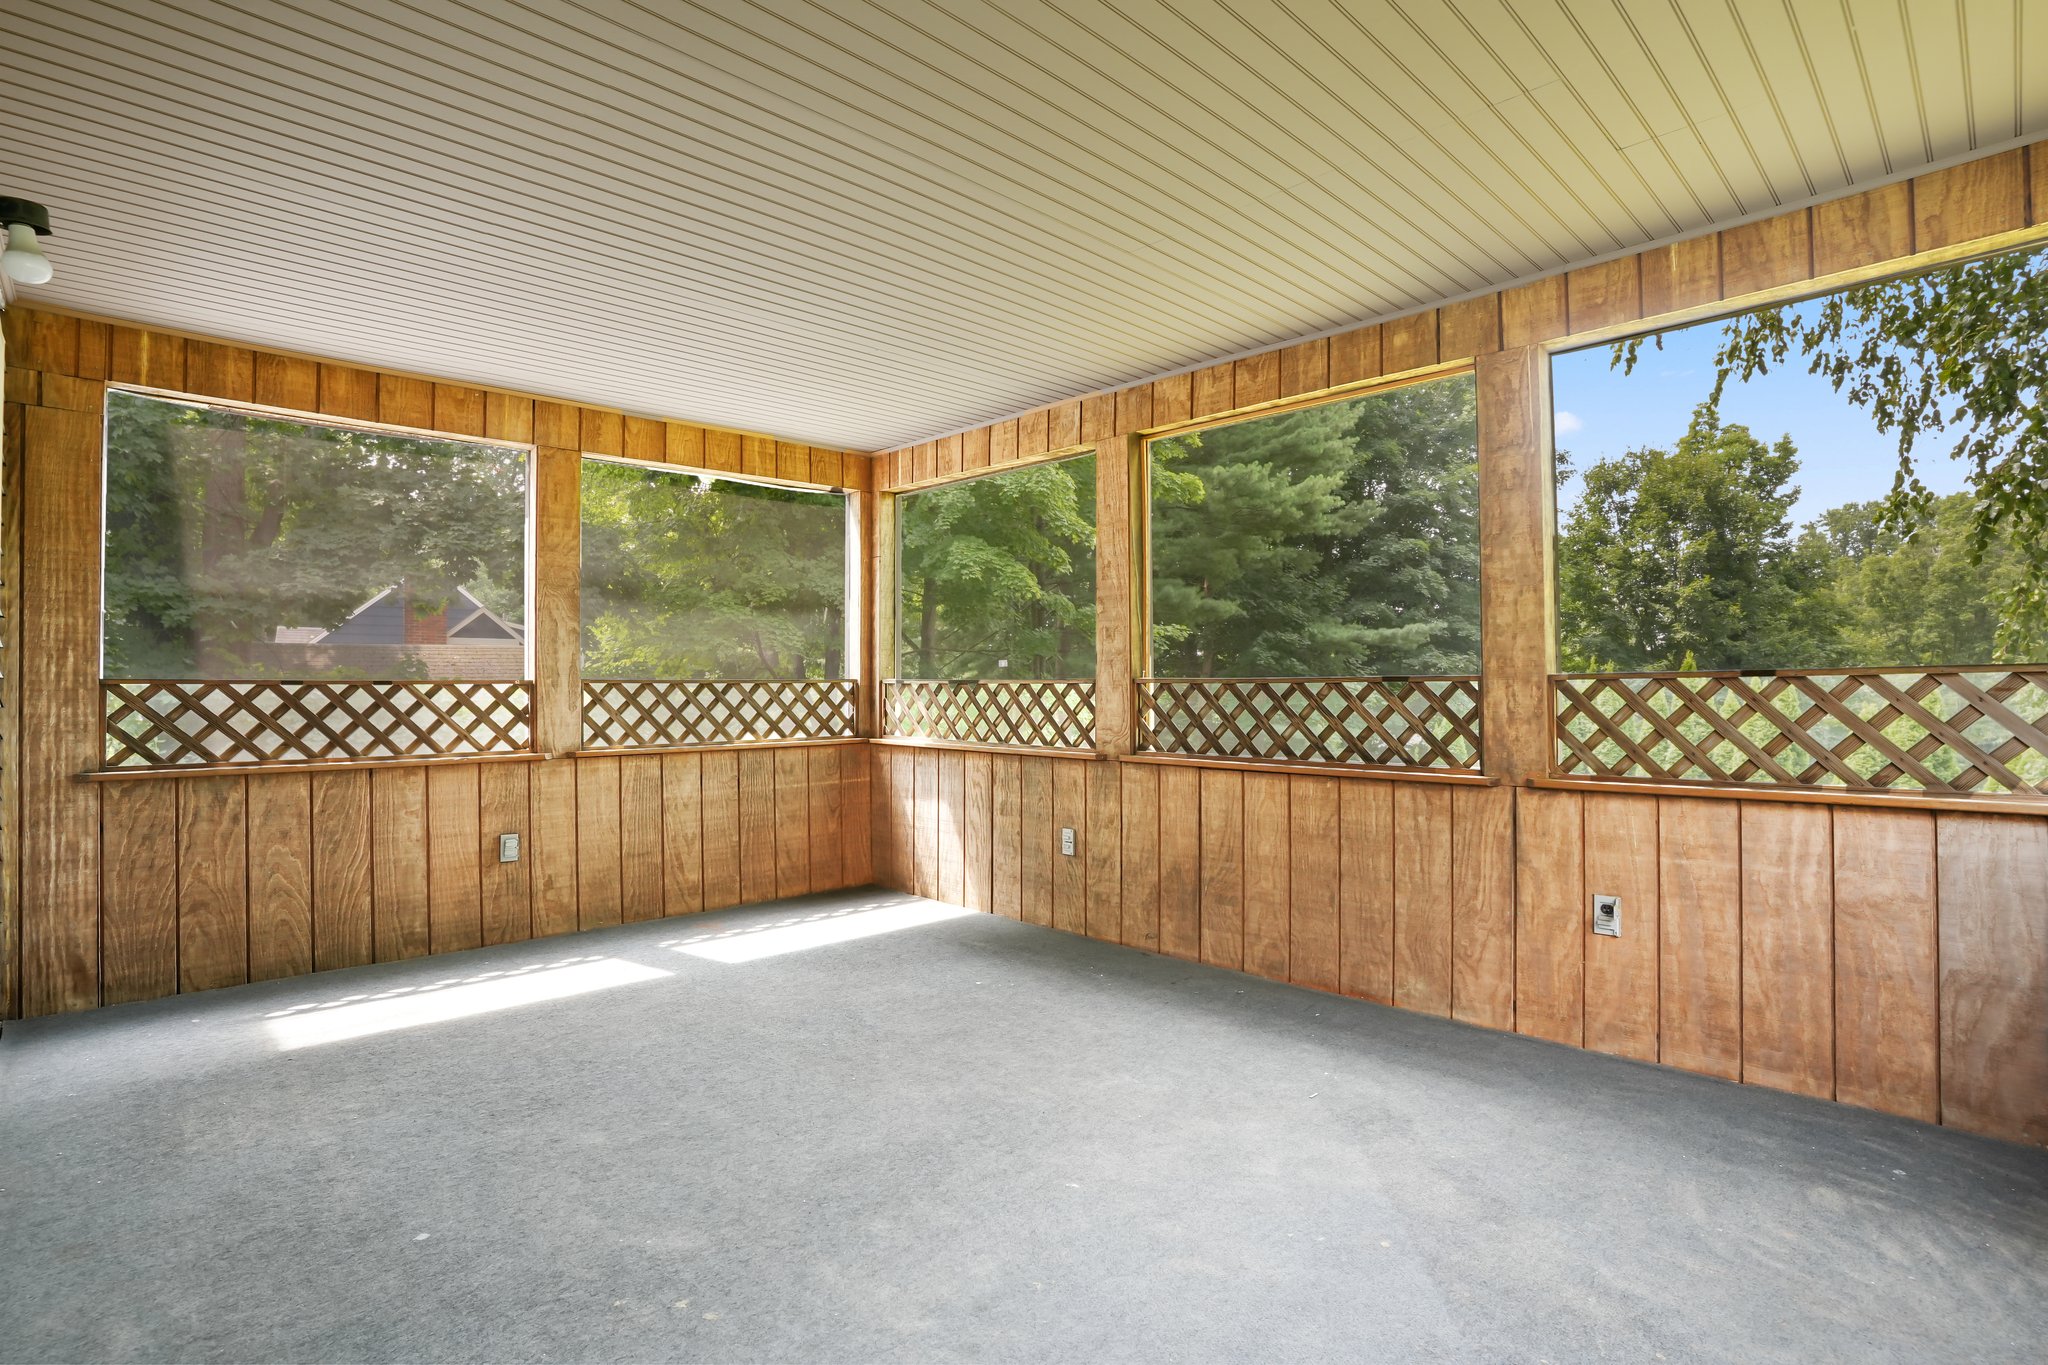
<point x="1067" y="841"/>
<point x="508" y="848"/>
<point x="1607" y="916"/>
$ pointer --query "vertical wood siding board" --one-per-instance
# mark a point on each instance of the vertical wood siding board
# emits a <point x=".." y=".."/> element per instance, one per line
<point x="1006" y="835"/>
<point x="1222" y="909"/>
<point x="1763" y="255"/>
<point x="1070" y="874"/>
<point x="974" y="449"/>
<point x="792" y="822"/>
<point x="1139" y="831"/>
<point x="646" y="439"/>
<point x="1863" y="229"/>
<point x="559" y="425"/>
<point x="828" y="830"/>
<point x="217" y="371"/>
<point x="857" y="847"/>
<point x="1002" y="443"/>
<point x="1994" y="974"/>
<point x="279" y="381"/>
<point x="1365" y="890"/>
<point x="682" y="834"/>
<point x="1483" y="901"/>
<point x="405" y="402"/>
<point x="1470" y="328"/>
<point x="342" y="897"/>
<point x="455" y="916"/>
<point x="2037" y="186"/>
<point x="924" y="846"/>
<point x="1699" y="844"/>
<point x="458" y="410"/>
<point x="1256" y="379"/>
<point x="1887" y="974"/>
<point x="977" y="848"/>
<point x="1266" y="875"/>
<point x="1549" y="942"/>
<point x="881" y="818"/>
<point x="213" y="883"/>
<point x="139" y="890"/>
<point x="280" y="875"/>
<point x="1172" y="399"/>
<point x="503" y="802"/>
<point x="398" y="863"/>
<point x="757" y="825"/>
<point x="722" y="452"/>
<point x="1312" y="942"/>
<point x="1214" y="390"/>
<point x="94" y="342"/>
<point x="44" y="341"/>
<point x="348" y="392"/>
<point x="603" y="431"/>
<point x="1031" y="434"/>
<point x="641" y="832"/>
<point x="1134" y="408"/>
<point x="1063" y="425"/>
<point x="508" y="417"/>
<point x="1304" y="368"/>
<point x="1423" y="906"/>
<point x="1410" y="343"/>
<point x="1622" y="858"/>
<point x="1787" y="951"/>
<point x="554" y="850"/>
<point x="59" y="722"/>
<point x="952" y="832"/>
<point x="10" y="702"/>
<point x="1604" y="295"/>
<point x="1976" y="199"/>
<point x="1098" y="417"/>
<point x="903" y="820"/>
<point x="1180" y="863"/>
<point x="597" y="842"/>
<point x="1682" y="275"/>
<point x="1533" y="313"/>
<point x="683" y="444"/>
<point x="1038" y="843"/>
<point x="1104" y="850"/>
<point x="1356" y="355"/>
<point x="721" y="808"/>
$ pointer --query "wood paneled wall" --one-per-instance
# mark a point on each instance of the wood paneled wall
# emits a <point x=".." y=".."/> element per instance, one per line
<point x="1895" y="959"/>
<point x="144" y="886"/>
<point x="1939" y="214"/>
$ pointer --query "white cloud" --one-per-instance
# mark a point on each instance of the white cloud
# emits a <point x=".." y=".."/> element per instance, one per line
<point x="1568" y="422"/>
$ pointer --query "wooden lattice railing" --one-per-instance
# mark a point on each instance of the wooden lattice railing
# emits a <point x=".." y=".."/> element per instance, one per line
<point x="160" y="722"/>
<point x="1377" y="722"/>
<point x="1928" y="729"/>
<point x="640" y="713"/>
<point x="1028" y="713"/>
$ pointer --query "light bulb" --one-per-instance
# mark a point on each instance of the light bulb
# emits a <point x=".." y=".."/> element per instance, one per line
<point x="24" y="260"/>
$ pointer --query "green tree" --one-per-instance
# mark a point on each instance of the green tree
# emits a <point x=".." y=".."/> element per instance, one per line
<point x="998" y="575"/>
<point x="1955" y="355"/>
<point x="688" y="577"/>
<point x="222" y="526"/>
<point x="1923" y="599"/>
<point x="1685" y="558"/>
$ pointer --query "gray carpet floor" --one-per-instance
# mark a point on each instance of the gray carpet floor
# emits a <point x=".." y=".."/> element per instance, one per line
<point x="965" y="1139"/>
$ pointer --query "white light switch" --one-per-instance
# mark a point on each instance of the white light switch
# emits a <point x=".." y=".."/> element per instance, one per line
<point x="1067" y="841"/>
<point x="508" y="848"/>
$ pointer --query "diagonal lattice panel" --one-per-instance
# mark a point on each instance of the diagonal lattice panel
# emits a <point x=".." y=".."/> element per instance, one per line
<point x="1369" y="722"/>
<point x="1935" y="729"/>
<point x="651" y="713"/>
<point x="156" y="722"/>
<point x="1024" y="713"/>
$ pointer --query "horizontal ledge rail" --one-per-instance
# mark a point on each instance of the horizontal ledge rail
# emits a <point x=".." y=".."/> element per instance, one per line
<point x="1956" y="731"/>
<point x="623" y="715"/>
<point x="191" y="724"/>
<point x="1394" y="722"/>
<point x="1002" y="713"/>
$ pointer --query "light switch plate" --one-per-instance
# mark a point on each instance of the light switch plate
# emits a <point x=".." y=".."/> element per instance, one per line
<point x="508" y="848"/>
<point x="1607" y="916"/>
<point x="1067" y="841"/>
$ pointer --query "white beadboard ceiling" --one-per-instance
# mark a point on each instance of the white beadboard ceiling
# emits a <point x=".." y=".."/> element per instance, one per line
<point x="863" y="223"/>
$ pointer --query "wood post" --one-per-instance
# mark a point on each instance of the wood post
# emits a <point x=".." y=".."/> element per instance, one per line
<point x="1119" y="588"/>
<point x="1518" y="606"/>
<point x="556" y="610"/>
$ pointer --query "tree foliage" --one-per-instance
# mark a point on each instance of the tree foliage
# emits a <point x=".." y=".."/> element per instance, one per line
<point x="222" y="526"/>
<point x="688" y="577"/>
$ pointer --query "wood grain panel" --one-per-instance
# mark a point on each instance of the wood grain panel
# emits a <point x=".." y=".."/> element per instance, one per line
<point x="1266" y="874"/>
<point x="597" y="843"/>
<point x="1423" y="908"/>
<point x="682" y="834"/>
<point x="1483" y="906"/>
<point x="1365" y="890"/>
<point x="1621" y="973"/>
<point x="1682" y="275"/>
<point x="458" y="409"/>
<point x="1355" y="356"/>
<point x="1256" y="379"/>
<point x="219" y="371"/>
<point x="213" y="883"/>
<point x="1976" y="199"/>
<point x="1222" y="868"/>
<point x="1887" y="976"/>
<point x="640" y="836"/>
<point x="856" y="847"/>
<point x="398" y="863"/>
<point x="721" y="804"/>
<point x="792" y="822"/>
<point x="1172" y="399"/>
<point x="454" y="859"/>
<point x="1313" y="943"/>
<point x="1409" y="343"/>
<point x="924" y="852"/>
<point x="1304" y="368"/>
<point x="1699" y="844"/>
<point x="1070" y="871"/>
<point x="557" y="636"/>
<point x="828" y="797"/>
<point x="1788" y="1036"/>
<point x="342" y="911"/>
<point x="1006" y="852"/>
<point x="1532" y="313"/>
<point x="1138" y="831"/>
<point x="504" y="800"/>
<point x="1517" y="511"/>
<point x="1038" y="842"/>
<point x="1468" y="328"/>
<point x="1549" y="937"/>
<point x="977" y="853"/>
<point x="757" y="825"/>
<point x="553" y="851"/>
<point x="1994" y="975"/>
<point x="1215" y="390"/>
<point x="508" y="417"/>
<point x="1863" y="229"/>
<point x="1180" y="863"/>
<point x="903" y="799"/>
<point x="346" y="391"/>
<point x="1763" y="255"/>
<point x="403" y="401"/>
<point x="139" y="891"/>
<point x="280" y="875"/>
<point x="1102" y="847"/>
<point x="952" y="834"/>
<point x="1603" y="295"/>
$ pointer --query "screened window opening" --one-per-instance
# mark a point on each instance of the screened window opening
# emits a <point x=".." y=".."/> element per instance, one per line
<point x="1315" y="583"/>
<point x="995" y="639"/>
<point x="1805" y="544"/>
<point x="713" y="610"/>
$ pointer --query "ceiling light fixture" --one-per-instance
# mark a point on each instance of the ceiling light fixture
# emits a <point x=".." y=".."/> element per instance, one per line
<point x="24" y="261"/>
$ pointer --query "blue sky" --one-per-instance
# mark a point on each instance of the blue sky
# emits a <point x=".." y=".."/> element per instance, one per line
<point x="1842" y="458"/>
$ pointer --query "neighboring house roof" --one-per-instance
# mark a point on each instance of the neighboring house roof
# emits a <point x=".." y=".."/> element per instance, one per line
<point x="381" y="621"/>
